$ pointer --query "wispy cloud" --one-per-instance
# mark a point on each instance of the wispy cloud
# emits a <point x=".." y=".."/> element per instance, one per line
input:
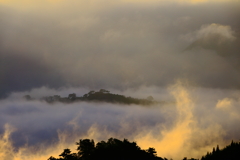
<point x="189" y="127"/>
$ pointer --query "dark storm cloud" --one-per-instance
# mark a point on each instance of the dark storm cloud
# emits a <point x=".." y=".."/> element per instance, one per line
<point x="120" y="45"/>
<point x="21" y="72"/>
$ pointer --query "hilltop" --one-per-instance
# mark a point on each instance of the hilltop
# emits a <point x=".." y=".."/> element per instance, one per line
<point x="98" y="96"/>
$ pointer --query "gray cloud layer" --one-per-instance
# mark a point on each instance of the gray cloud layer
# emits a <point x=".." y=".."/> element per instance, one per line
<point x="119" y="45"/>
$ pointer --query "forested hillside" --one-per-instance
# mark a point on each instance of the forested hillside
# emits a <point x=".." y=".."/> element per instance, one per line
<point x="115" y="149"/>
<point x="100" y="96"/>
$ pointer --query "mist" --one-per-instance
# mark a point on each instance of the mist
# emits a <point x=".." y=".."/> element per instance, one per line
<point x="199" y="120"/>
<point x="186" y="52"/>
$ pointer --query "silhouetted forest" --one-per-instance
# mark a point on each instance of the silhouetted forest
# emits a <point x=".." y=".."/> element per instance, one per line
<point x="101" y="96"/>
<point x="230" y="152"/>
<point x="115" y="149"/>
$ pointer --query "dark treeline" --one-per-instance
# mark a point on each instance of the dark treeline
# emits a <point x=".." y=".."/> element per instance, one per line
<point x="115" y="149"/>
<point x="101" y="96"/>
<point x="230" y="152"/>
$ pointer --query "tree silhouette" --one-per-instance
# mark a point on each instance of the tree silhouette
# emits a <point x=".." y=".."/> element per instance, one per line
<point x="101" y="96"/>
<point x="230" y="152"/>
<point x="72" y="96"/>
<point x="152" y="151"/>
<point x="66" y="154"/>
<point x="85" y="148"/>
<point x="113" y="149"/>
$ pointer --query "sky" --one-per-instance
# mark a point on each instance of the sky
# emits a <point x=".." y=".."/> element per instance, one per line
<point x="133" y="47"/>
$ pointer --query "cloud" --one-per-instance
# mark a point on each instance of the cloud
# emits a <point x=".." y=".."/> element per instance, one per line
<point x="19" y="72"/>
<point x="190" y="127"/>
<point x="128" y="47"/>
<point x="215" y="37"/>
<point x="120" y="45"/>
<point x="228" y="107"/>
<point x="225" y="32"/>
<point x="186" y="137"/>
<point x="226" y="103"/>
<point x="220" y="32"/>
<point x="6" y="150"/>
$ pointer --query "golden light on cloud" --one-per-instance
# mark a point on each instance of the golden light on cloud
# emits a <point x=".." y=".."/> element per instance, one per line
<point x="6" y="149"/>
<point x="171" y="143"/>
<point x="177" y="1"/>
<point x="182" y="137"/>
<point x="202" y="1"/>
<point x="15" y="2"/>
<point x="225" y="103"/>
<point x="43" y="151"/>
<point x="25" y="1"/>
<point x="229" y="107"/>
<point x="185" y="138"/>
<point x="29" y="3"/>
<point x="133" y="43"/>
<point x="40" y="152"/>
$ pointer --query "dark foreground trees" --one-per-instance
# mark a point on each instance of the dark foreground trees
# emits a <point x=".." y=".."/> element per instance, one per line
<point x="113" y="149"/>
<point x="230" y="152"/>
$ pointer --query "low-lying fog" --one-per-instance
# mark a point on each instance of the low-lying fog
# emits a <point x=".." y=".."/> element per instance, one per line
<point x="136" y="48"/>
<point x="198" y="120"/>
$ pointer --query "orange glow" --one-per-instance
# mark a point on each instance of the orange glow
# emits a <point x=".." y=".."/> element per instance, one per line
<point x="187" y="1"/>
<point x="28" y="4"/>
<point x="179" y="141"/>
<point x="171" y="143"/>
<point x="29" y="153"/>
<point x="175" y="142"/>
